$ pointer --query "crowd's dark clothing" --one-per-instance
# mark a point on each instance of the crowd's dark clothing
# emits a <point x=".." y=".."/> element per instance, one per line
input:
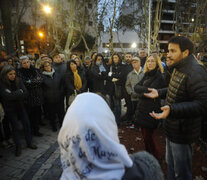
<point x="151" y="79"/>
<point x="187" y="98"/>
<point x="33" y="82"/>
<point x="89" y="77"/>
<point x="52" y="87"/>
<point x="53" y="92"/>
<point x="127" y="68"/>
<point x="60" y="68"/>
<point x="167" y="74"/>
<point x="99" y="79"/>
<point x="69" y="83"/>
<point x="143" y="60"/>
<point x="117" y="72"/>
<point x="13" y="95"/>
<point x="16" y="116"/>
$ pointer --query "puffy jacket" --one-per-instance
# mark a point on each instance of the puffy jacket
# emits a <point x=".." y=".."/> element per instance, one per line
<point x="187" y="98"/>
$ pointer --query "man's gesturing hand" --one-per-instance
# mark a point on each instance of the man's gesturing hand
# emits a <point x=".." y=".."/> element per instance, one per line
<point x="163" y="115"/>
<point x="152" y="94"/>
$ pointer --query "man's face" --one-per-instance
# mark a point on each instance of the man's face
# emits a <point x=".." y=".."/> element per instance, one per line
<point x="128" y="58"/>
<point x="57" y="59"/>
<point x="142" y="53"/>
<point x="174" y="55"/>
<point x="136" y="65"/>
<point x="87" y="62"/>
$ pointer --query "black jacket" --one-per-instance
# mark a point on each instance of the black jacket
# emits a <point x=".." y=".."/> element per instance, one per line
<point x="151" y="79"/>
<point x="89" y="77"/>
<point x="187" y="98"/>
<point x="118" y="73"/>
<point x="12" y="96"/>
<point x="69" y="83"/>
<point x="53" y="89"/>
<point x="99" y="79"/>
<point x="33" y="83"/>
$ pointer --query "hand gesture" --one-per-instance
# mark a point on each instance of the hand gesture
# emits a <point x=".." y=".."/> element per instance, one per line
<point x="163" y="115"/>
<point x="153" y="94"/>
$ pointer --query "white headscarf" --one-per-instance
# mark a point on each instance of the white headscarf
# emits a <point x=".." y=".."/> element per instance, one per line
<point x="89" y="142"/>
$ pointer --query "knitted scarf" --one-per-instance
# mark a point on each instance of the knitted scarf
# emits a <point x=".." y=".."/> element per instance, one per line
<point x="77" y="80"/>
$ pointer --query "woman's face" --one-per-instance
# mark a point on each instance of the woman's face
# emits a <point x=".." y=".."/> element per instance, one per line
<point x="48" y="67"/>
<point x="99" y="59"/>
<point x="116" y="59"/>
<point x="77" y="61"/>
<point x="10" y="61"/>
<point x="73" y="66"/>
<point x="26" y="63"/>
<point x="151" y="63"/>
<point x="11" y="75"/>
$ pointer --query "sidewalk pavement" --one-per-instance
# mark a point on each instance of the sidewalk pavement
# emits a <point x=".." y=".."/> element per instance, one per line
<point x="40" y="164"/>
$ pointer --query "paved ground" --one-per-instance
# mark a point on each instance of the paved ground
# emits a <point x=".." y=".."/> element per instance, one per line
<point x="40" y="164"/>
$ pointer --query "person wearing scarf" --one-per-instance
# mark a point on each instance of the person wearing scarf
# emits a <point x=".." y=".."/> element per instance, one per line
<point x="90" y="147"/>
<point x="52" y="92"/>
<point x="153" y="78"/>
<point x="74" y="80"/>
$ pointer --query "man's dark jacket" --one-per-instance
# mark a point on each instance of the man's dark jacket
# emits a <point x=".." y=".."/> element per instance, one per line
<point x="187" y="98"/>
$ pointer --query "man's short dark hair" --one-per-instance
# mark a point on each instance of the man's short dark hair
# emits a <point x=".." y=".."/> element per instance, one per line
<point x="128" y="53"/>
<point x="183" y="42"/>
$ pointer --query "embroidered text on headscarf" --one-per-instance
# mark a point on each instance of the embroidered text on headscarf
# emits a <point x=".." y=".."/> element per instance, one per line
<point x="98" y="151"/>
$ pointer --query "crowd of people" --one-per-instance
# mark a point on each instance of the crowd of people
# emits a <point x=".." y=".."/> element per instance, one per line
<point x="34" y="90"/>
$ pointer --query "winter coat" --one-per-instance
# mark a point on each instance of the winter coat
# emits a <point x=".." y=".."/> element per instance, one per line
<point x="12" y="96"/>
<point x="187" y="98"/>
<point x="151" y="79"/>
<point x="143" y="60"/>
<point x="99" y="79"/>
<point x="53" y="89"/>
<point x="69" y="83"/>
<point x="33" y="83"/>
<point x="89" y="77"/>
<point x="118" y="73"/>
<point x="132" y="79"/>
<point x="60" y="68"/>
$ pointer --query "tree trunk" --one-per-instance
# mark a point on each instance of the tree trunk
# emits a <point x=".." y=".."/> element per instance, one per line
<point x="5" y="6"/>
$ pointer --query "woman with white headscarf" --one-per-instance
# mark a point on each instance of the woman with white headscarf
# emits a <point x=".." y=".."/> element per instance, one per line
<point x="90" y="147"/>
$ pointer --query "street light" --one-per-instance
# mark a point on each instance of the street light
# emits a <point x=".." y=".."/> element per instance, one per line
<point x="47" y="9"/>
<point x="40" y="34"/>
<point x="134" y="45"/>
